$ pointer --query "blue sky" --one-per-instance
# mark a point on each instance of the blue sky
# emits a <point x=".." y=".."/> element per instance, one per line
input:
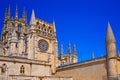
<point x="83" y="22"/>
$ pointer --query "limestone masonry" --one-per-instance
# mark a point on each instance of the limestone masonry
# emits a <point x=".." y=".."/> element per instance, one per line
<point x="30" y="52"/>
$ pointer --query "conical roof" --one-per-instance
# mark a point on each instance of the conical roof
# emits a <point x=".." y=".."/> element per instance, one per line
<point x="110" y="36"/>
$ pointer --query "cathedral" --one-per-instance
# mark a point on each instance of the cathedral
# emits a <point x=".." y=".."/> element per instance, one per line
<point x="30" y="52"/>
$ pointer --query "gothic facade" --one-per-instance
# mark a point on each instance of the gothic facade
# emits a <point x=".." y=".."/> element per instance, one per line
<point x="30" y="49"/>
<point x="30" y="52"/>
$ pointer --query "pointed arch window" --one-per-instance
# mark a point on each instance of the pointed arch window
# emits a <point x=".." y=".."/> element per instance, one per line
<point x="4" y="68"/>
<point x="22" y="69"/>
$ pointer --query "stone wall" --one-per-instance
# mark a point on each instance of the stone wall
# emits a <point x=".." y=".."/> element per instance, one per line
<point x="31" y="67"/>
<point x="20" y="77"/>
<point x="90" y="70"/>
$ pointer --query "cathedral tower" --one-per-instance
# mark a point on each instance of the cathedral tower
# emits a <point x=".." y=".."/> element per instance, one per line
<point x="19" y="27"/>
<point x="111" y="54"/>
<point x="42" y="44"/>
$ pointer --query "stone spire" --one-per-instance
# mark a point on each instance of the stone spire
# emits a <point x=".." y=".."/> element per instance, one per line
<point x="62" y="50"/>
<point x="93" y="56"/>
<point x="69" y="48"/>
<point x="32" y="21"/>
<point x="5" y="14"/>
<point x="75" y="51"/>
<point x="110" y="36"/>
<point x="16" y="12"/>
<point x="24" y="16"/>
<point x="8" y="13"/>
<point x="54" y="26"/>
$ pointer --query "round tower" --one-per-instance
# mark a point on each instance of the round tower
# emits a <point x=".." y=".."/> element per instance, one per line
<point x="111" y="54"/>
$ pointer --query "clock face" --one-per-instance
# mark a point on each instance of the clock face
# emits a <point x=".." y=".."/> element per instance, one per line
<point x="43" y="45"/>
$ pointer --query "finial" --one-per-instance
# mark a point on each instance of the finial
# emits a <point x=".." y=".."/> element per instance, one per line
<point x="75" y="51"/>
<point x="54" y="26"/>
<point x="110" y="36"/>
<point x="5" y="14"/>
<point x="16" y="13"/>
<point x="93" y="56"/>
<point x="32" y="21"/>
<point x="8" y="12"/>
<point x="62" y="50"/>
<point x="69" y="48"/>
<point x="24" y="16"/>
